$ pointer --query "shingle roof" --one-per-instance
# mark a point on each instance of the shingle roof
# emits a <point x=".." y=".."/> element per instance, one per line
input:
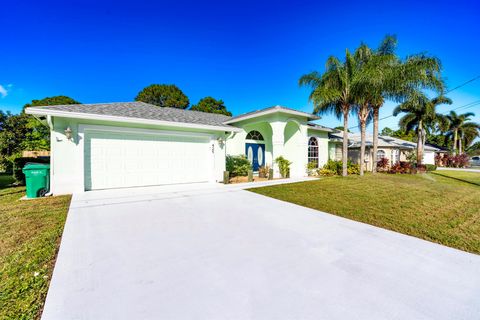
<point x="141" y="110"/>
<point x="247" y="115"/>
<point x="319" y="127"/>
<point x="383" y="141"/>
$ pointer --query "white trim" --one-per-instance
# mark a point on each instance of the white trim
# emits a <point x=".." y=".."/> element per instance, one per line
<point x="270" y="111"/>
<point x="91" y="127"/>
<point x="84" y="128"/>
<point x="319" y="129"/>
<point x="91" y="116"/>
<point x="254" y="141"/>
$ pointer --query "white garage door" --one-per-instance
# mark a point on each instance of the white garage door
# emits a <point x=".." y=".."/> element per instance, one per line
<point x="117" y="160"/>
<point x="428" y="157"/>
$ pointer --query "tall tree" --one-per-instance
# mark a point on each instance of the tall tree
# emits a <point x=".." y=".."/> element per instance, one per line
<point x="334" y="92"/>
<point x="163" y="95"/>
<point x="23" y="132"/>
<point x="211" y="105"/>
<point x="51" y="101"/>
<point x="389" y="78"/>
<point x="37" y="134"/>
<point x="363" y="58"/>
<point x="420" y="113"/>
<point x="461" y="130"/>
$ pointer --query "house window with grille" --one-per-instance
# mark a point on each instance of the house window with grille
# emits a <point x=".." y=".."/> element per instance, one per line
<point x="380" y="155"/>
<point x="254" y="135"/>
<point x="313" y="151"/>
<point x="395" y="156"/>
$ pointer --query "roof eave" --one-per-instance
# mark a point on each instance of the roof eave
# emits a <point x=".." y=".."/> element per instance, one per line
<point x="92" y="116"/>
<point x="321" y="129"/>
<point x="270" y="111"/>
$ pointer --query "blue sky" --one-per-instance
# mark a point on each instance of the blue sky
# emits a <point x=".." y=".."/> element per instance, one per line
<point x="248" y="53"/>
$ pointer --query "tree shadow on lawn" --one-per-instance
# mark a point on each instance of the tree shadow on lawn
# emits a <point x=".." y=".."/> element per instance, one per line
<point x="457" y="179"/>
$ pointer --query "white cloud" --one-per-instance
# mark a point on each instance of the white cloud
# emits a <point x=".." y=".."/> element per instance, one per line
<point x="3" y="91"/>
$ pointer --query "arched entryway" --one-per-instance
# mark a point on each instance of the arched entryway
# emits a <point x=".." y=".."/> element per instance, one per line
<point x="255" y="149"/>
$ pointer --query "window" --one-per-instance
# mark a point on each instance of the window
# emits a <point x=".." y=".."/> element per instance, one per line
<point x="395" y="156"/>
<point x="254" y="135"/>
<point x="380" y="155"/>
<point x="313" y="150"/>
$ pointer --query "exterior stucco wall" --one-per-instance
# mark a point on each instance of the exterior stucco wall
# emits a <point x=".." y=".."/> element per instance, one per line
<point x="67" y="172"/>
<point x="284" y="135"/>
<point x="235" y="145"/>
<point x="324" y="147"/>
<point x="296" y="148"/>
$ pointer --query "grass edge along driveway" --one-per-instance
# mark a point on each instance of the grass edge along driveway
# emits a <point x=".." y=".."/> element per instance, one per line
<point x="30" y="233"/>
<point x="443" y="208"/>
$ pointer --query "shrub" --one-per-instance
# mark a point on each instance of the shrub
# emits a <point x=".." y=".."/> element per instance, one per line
<point x="421" y="168"/>
<point x="439" y="160"/>
<point x="283" y="166"/>
<point x="401" y="167"/>
<point x="19" y="163"/>
<point x="312" y="168"/>
<point x="337" y="167"/>
<point x="263" y="171"/>
<point x="430" y="167"/>
<point x="326" y="172"/>
<point x="382" y="164"/>
<point x="457" y="161"/>
<point x="353" y="168"/>
<point x="238" y="165"/>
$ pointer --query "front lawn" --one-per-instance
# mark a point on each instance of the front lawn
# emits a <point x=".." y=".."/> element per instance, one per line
<point x="442" y="207"/>
<point x="29" y="238"/>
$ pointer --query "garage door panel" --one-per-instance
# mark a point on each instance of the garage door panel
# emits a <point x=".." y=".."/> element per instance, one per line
<point x="114" y="160"/>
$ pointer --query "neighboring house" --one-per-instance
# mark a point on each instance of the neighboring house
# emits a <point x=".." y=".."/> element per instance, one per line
<point x="393" y="149"/>
<point x="115" y="145"/>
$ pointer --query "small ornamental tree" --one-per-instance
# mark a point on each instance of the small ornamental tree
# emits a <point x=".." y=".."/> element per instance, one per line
<point x="211" y="105"/>
<point x="163" y="95"/>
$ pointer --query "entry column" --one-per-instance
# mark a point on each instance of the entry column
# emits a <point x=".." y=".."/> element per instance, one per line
<point x="278" y="143"/>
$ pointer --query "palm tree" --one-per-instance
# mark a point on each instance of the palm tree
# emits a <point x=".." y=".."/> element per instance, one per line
<point x="363" y="58"/>
<point x="461" y="129"/>
<point x="469" y="134"/>
<point x="334" y="92"/>
<point x="393" y="79"/>
<point x="420" y="114"/>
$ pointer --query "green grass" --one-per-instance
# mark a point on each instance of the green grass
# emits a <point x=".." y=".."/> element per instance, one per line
<point x="464" y="176"/>
<point x="442" y="207"/>
<point x="30" y="234"/>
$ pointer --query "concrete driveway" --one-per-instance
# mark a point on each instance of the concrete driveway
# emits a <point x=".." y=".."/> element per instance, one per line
<point x="216" y="252"/>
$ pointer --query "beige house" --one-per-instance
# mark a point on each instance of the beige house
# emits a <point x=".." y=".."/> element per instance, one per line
<point x="393" y="149"/>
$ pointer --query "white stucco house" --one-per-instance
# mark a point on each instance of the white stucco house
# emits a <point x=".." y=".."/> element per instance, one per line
<point x="394" y="149"/>
<point x="116" y="145"/>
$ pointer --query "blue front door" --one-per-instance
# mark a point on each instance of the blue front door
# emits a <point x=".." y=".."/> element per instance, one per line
<point x="256" y="154"/>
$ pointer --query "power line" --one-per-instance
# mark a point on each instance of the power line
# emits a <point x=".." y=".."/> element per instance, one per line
<point x="468" y="105"/>
<point x="457" y="87"/>
<point x="463" y="84"/>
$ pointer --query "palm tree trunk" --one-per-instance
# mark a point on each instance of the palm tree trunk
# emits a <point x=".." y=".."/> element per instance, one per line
<point x="375" y="138"/>
<point x="345" y="141"/>
<point x="362" y="147"/>
<point x="460" y="143"/>
<point x="362" y="117"/>
<point x="455" y="132"/>
<point x="420" y="144"/>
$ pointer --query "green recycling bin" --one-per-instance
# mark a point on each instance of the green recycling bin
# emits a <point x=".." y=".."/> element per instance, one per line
<point x="37" y="179"/>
